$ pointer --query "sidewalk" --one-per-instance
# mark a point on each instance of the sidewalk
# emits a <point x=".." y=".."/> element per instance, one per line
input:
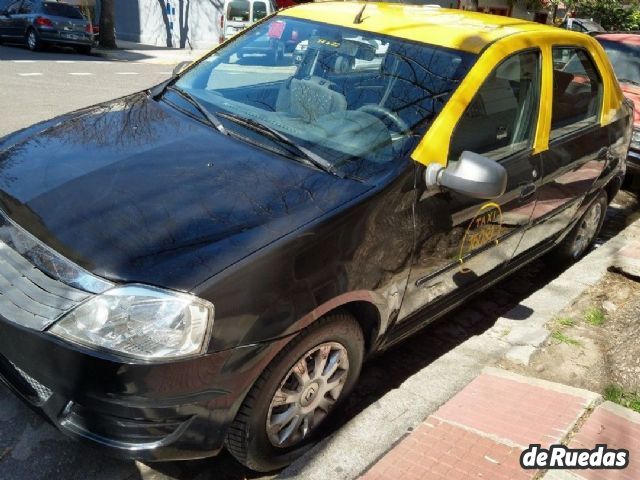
<point x="478" y="420"/>
<point x="482" y="431"/>
<point x="137" y="52"/>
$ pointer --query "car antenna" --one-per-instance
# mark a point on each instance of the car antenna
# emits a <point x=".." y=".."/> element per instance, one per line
<point x="358" y="20"/>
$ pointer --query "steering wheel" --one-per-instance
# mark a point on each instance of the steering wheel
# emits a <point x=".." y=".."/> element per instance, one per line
<point x="385" y="113"/>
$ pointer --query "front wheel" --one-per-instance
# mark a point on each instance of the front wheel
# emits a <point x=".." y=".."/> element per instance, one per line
<point x="283" y="414"/>
<point x="584" y="233"/>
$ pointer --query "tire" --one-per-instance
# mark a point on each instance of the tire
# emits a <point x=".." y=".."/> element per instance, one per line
<point x="33" y="41"/>
<point x="584" y="233"/>
<point x="84" y="49"/>
<point x="250" y="441"/>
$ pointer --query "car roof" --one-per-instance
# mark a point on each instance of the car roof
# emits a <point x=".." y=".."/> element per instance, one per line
<point x="630" y="38"/>
<point x="457" y="29"/>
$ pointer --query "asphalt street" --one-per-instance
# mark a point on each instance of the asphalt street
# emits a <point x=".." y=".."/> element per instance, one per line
<point x="42" y="85"/>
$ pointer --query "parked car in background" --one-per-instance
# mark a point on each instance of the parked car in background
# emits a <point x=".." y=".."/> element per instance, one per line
<point x="239" y="14"/>
<point x="208" y="263"/>
<point x="623" y="50"/>
<point x="40" y="23"/>
<point x="583" y="25"/>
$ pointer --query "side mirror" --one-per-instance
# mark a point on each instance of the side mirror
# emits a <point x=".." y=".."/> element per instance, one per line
<point x="177" y="70"/>
<point x="472" y="175"/>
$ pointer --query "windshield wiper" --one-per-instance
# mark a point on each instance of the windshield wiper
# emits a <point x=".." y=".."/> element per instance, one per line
<point x="212" y="119"/>
<point x="306" y="154"/>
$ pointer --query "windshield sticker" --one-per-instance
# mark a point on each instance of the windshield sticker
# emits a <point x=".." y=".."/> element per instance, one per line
<point x="483" y="229"/>
<point x="328" y="43"/>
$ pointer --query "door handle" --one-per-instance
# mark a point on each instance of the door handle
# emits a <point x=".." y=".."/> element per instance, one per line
<point x="527" y="191"/>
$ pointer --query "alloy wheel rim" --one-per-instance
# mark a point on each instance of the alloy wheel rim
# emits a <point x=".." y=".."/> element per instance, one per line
<point x="307" y="394"/>
<point x="32" y="39"/>
<point x="587" y="230"/>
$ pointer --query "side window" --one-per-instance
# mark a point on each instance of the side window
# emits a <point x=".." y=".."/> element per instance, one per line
<point x="27" y="7"/>
<point x="577" y="91"/>
<point x="13" y="8"/>
<point x="501" y="118"/>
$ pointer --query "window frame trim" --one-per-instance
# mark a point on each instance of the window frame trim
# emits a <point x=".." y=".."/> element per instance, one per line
<point x="601" y="92"/>
<point x="530" y="147"/>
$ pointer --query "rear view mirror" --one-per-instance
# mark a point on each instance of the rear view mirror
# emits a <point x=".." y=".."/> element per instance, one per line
<point x="177" y="70"/>
<point x="472" y="175"/>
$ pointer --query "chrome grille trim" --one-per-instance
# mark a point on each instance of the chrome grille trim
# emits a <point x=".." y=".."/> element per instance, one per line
<point x="43" y="259"/>
<point x="30" y="294"/>
<point x="30" y="298"/>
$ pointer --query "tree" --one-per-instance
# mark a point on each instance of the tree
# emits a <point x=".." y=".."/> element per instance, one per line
<point x="108" y="24"/>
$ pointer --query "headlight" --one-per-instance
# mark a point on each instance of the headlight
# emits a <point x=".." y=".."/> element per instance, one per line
<point x="635" y="139"/>
<point x="140" y="322"/>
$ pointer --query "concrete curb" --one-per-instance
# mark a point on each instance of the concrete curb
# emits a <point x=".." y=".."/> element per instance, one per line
<point x="368" y="436"/>
<point x="590" y="398"/>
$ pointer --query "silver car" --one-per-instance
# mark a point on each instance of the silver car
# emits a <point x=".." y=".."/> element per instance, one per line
<point x="39" y="23"/>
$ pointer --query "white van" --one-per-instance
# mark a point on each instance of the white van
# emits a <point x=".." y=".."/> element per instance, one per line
<point x="239" y="14"/>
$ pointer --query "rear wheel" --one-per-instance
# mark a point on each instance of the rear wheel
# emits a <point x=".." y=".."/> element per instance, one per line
<point x="584" y="233"/>
<point x="33" y="41"/>
<point x="283" y="414"/>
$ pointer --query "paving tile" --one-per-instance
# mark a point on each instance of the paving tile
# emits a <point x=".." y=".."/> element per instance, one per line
<point x="616" y="427"/>
<point x="512" y="410"/>
<point x="437" y="449"/>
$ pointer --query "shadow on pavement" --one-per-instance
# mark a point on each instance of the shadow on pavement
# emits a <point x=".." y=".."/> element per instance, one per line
<point x="15" y="51"/>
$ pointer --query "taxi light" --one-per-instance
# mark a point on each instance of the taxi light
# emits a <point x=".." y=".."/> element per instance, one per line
<point x="43" y="22"/>
<point x="141" y="322"/>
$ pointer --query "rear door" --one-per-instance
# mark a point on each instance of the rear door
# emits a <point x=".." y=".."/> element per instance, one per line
<point x="8" y="21"/>
<point x="578" y="145"/>
<point x="24" y="17"/>
<point x="461" y="241"/>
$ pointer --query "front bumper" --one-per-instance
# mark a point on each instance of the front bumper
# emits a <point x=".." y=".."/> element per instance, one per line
<point x="149" y="412"/>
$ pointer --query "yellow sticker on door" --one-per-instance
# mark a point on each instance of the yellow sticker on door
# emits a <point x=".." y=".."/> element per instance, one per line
<point x="484" y="228"/>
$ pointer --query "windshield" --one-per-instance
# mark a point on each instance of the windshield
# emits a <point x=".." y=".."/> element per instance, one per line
<point x="62" y="10"/>
<point x="356" y="99"/>
<point x="625" y="59"/>
<point x="238" y="11"/>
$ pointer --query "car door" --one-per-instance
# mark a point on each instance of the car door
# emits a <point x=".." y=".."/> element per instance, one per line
<point x="23" y="19"/>
<point x="461" y="241"/>
<point x="578" y="145"/>
<point x="8" y="21"/>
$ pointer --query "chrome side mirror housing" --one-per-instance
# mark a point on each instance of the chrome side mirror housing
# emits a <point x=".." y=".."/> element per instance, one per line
<point x="472" y="175"/>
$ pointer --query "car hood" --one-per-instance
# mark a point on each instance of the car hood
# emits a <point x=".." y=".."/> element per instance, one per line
<point x="632" y="92"/>
<point x="134" y="191"/>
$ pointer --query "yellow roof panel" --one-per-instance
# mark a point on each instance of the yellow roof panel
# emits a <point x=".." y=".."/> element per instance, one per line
<point x="458" y="29"/>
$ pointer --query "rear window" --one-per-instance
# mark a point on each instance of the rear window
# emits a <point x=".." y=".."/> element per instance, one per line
<point x="259" y="11"/>
<point x="238" y="11"/>
<point x="62" y="10"/>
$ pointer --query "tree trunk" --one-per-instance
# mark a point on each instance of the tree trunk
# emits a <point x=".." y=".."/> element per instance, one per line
<point x="108" y="24"/>
<point x="167" y="23"/>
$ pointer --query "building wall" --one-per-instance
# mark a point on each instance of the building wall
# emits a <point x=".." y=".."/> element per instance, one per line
<point x="169" y="23"/>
